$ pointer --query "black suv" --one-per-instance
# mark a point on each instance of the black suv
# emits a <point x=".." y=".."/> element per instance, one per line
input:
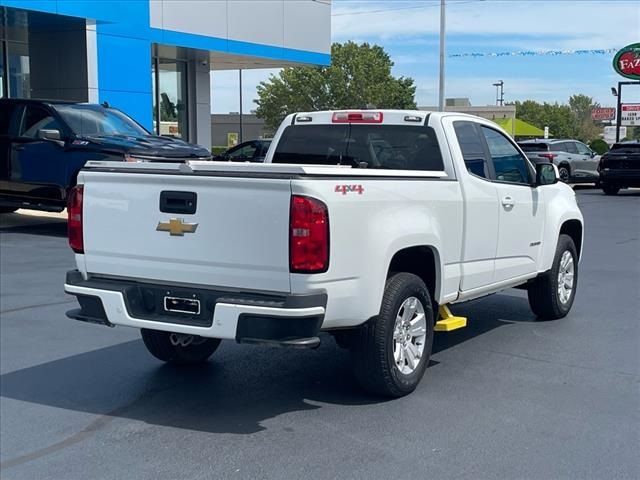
<point x="620" y="167"/>
<point x="43" y="145"/>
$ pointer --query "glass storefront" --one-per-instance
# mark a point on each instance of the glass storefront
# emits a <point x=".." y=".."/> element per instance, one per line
<point x="170" y="97"/>
<point x="14" y="52"/>
<point x="18" y="79"/>
<point x="2" y="93"/>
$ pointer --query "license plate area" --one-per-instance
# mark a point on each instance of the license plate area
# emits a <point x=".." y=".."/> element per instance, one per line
<point x="189" y="306"/>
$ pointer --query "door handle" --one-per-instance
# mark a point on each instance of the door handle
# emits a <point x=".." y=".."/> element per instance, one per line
<point x="18" y="147"/>
<point x="508" y="202"/>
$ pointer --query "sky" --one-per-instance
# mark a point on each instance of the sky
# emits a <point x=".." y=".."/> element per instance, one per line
<point x="409" y="32"/>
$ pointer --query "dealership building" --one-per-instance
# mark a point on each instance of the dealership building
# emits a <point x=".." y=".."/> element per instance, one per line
<point x="153" y="58"/>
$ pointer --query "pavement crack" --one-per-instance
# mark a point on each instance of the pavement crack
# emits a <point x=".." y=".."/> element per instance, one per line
<point x="570" y="365"/>
<point x="629" y="240"/>
<point x="39" y="305"/>
<point x="96" y="425"/>
<point x="89" y="430"/>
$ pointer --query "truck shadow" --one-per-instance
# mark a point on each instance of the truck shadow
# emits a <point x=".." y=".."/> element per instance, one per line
<point x="51" y="226"/>
<point x="240" y="389"/>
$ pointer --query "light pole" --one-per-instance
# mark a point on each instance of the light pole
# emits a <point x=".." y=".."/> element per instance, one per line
<point x="499" y="92"/>
<point x="240" y="75"/>
<point x="442" y="52"/>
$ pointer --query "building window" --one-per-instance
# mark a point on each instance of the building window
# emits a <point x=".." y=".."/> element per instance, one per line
<point x="2" y="81"/>
<point x="19" y="84"/>
<point x="170" y="98"/>
<point x="14" y="54"/>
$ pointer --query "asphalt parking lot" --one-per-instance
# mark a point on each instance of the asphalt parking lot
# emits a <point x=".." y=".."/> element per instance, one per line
<point x="507" y="397"/>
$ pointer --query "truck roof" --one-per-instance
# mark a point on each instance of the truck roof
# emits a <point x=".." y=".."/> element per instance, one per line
<point x="384" y="117"/>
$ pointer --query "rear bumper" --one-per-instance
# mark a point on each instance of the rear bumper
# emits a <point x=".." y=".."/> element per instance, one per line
<point x="247" y="317"/>
<point x="622" y="177"/>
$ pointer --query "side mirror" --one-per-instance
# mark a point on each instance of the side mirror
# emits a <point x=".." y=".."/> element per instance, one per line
<point x="546" y="174"/>
<point x="593" y="154"/>
<point x="52" y="134"/>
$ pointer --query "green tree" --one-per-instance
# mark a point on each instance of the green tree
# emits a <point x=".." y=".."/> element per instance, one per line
<point x="359" y="75"/>
<point x="599" y="146"/>
<point x="581" y="107"/>
<point x="557" y="117"/>
<point x="571" y="120"/>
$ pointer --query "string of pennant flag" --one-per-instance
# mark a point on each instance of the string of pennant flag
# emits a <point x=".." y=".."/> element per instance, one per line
<point x="532" y="53"/>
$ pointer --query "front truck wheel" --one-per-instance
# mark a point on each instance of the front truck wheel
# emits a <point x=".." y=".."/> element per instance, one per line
<point x="178" y="348"/>
<point x="551" y="295"/>
<point x="390" y="353"/>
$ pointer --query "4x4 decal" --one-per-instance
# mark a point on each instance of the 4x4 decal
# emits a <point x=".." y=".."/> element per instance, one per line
<point x="344" y="189"/>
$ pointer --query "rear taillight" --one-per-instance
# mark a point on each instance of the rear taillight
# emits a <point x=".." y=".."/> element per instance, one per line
<point x="357" y="117"/>
<point x="308" y="235"/>
<point x="74" y="223"/>
<point x="548" y="156"/>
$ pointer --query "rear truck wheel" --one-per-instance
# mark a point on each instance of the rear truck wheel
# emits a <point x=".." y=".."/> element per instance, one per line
<point x="390" y="352"/>
<point x="178" y="348"/>
<point x="8" y="209"/>
<point x="551" y="295"/>
<point x="610" y="189"/>
<point x="564" y="173"/>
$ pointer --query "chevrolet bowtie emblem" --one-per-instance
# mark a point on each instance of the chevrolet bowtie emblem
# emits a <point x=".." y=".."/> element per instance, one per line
<point x="177" y="227"/>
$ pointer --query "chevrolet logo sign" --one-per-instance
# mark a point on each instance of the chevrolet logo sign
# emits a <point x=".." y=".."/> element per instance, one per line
<point x="176" y="227"/>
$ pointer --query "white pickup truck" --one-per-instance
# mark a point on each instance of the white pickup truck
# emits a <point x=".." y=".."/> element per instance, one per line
<point x="359" y="223"/>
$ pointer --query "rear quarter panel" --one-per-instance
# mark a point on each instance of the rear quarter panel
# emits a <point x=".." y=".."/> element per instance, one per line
<point x="368" y="228"/>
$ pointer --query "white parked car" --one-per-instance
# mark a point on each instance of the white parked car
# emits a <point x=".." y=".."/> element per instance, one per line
<point x="359" y="223"/>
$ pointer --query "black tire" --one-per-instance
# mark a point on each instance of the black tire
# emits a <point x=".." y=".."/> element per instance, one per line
<point x="8" y="209"/>
<point x="610" y="189"/>
<point x="372" y="345"/>
<point x="159" y="345"/>
<point x="564" y="172"/>
<point x="544" y="298"/>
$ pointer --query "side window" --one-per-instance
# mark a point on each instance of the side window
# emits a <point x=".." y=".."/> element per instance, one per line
<point x="570" y="147"/>
<point x="582" y="149"/>
<point x="557" y="147"/>
<point x="36" y="119"/>
<point x="472" y="149"/>
<point x="5" y="118"/>
<point x="509" y="165"/>
<point x="264" y="149"/>
<point x="244" y="152"/>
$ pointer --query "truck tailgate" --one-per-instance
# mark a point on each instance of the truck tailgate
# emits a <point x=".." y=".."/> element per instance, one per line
<point x="240" y="241"/>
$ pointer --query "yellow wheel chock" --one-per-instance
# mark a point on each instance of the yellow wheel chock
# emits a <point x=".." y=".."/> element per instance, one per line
<point x="448" y="321"/>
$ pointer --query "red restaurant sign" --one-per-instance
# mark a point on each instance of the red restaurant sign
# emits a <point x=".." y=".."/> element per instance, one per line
<point x="627" y="61"/>
<point x="604" y="113"/>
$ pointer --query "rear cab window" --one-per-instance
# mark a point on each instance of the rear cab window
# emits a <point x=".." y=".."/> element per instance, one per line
<point x="472" y="147"/>
<point x="534" y="147"/>
<point x="392" y="147"/>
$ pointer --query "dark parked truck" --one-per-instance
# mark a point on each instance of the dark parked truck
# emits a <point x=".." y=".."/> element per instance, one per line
<point x="44" y="144"/>
<point x="620" y="167"/>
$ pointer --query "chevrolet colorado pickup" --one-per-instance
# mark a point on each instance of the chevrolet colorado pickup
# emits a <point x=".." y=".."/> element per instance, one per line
<point x="359" y="223"/>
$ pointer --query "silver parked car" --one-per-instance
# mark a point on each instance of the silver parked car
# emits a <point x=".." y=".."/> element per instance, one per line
<point x="576" y="162"/>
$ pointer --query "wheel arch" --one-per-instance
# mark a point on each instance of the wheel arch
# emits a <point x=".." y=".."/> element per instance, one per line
<point x="421" y="260"/>
<point x="574" y="229"/>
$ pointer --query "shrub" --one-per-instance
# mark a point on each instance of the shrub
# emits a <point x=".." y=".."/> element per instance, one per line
<point x="599" y="146"/>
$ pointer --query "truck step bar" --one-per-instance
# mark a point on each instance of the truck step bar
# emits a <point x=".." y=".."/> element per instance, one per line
<point x="311" y="342"/>
<point x="449" y="322"/>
